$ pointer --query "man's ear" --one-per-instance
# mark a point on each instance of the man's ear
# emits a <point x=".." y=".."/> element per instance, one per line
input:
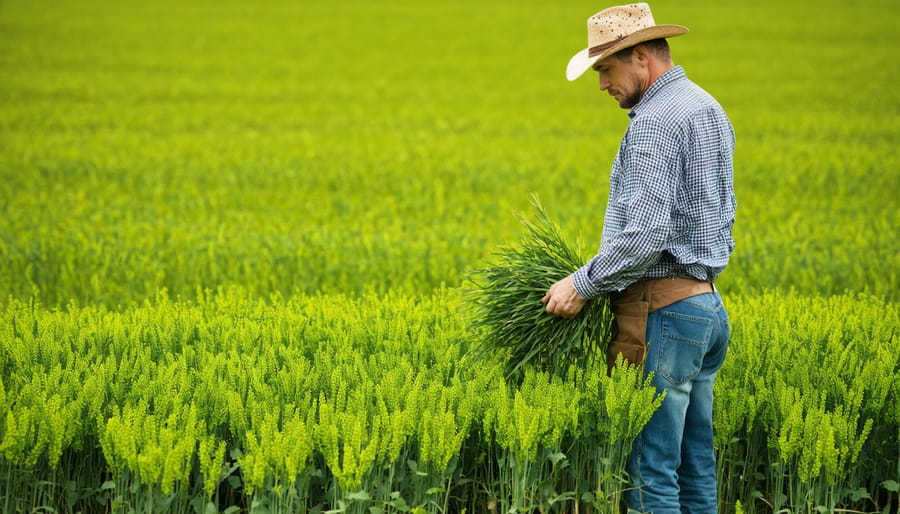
<point x="641" y="55"/>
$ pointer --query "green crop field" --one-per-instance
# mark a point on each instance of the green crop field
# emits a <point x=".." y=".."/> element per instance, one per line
<point x="235" y="240"/>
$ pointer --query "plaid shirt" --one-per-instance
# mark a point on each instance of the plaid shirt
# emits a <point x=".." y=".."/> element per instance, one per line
<point x="671" y="200"/>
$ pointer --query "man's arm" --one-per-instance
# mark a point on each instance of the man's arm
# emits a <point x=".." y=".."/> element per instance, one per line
<point x="641" y="210"/>
<point x="642" y="225"/>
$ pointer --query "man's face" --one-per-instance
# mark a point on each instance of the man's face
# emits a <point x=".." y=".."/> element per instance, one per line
<point x="622" y="80"/>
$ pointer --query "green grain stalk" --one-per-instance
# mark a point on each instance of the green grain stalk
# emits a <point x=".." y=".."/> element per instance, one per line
<point x="509" y="314"/>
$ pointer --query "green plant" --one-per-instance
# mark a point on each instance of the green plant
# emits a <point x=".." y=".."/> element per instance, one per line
<point x="508" y="310"/>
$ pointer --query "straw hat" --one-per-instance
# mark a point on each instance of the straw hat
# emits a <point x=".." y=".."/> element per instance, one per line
<point x="617" y="28"/>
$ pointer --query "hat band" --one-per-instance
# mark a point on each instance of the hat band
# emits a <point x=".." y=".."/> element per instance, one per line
<point x="599" y="49"/>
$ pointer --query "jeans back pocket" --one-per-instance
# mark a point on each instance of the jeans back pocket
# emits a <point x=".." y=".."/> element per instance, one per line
<point x="683" y="345"/>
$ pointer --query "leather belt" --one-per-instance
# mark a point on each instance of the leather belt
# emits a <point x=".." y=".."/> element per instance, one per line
<point x="660" y="292"/>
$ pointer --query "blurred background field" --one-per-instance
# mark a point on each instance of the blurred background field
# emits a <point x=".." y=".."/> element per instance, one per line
<point x="250" y="192"/>
<point x="348" y="146"/>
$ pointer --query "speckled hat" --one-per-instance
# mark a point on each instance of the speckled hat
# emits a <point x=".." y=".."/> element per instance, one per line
<point x="617" y="28"/>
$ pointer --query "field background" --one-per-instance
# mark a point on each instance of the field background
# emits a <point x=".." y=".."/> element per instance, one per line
<point x="345" y="146"/>
<point x="341" y="152"/>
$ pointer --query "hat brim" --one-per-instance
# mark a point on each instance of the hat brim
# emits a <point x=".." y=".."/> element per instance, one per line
<point x="582" y="61"/>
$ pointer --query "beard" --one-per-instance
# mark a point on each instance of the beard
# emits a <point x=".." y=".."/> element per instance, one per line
<point x="631" y="90"/>
<point x="630" y="100"/>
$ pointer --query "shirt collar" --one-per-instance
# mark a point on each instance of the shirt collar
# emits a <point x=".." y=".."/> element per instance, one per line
<point x="675" y="73"/>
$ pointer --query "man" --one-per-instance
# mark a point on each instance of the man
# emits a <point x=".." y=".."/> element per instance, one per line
<point x="666" y="237"/>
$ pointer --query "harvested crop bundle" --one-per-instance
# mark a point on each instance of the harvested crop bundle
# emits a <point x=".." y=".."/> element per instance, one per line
<point x="508" y="309"/>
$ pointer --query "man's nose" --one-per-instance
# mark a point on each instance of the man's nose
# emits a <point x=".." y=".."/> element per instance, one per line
<point x="604" y="83"/>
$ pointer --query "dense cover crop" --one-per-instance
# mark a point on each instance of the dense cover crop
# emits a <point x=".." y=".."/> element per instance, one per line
<point x="232" y="237"/>
<point x="375" y="402"/>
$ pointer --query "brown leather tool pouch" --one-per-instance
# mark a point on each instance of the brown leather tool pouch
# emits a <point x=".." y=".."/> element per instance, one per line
<point x="630" y="333"/>
<point x="632" y="306"/>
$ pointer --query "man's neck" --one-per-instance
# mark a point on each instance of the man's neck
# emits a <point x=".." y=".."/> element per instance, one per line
<point x="657" y="69"/>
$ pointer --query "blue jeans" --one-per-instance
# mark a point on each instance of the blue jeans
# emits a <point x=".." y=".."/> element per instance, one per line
<point x="672" y="464"/>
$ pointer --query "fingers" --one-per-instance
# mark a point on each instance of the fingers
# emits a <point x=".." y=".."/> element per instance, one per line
<point x="562" y="299"/>
<point x="550" y="307"/>
<point x="551" y="304"/>
<point x="556" y="308"/>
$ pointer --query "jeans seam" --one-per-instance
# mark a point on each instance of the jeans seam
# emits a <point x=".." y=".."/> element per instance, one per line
<point x="692" y="301"/>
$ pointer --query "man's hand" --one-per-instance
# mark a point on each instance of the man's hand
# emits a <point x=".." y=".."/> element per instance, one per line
<point x="563" y="300"/>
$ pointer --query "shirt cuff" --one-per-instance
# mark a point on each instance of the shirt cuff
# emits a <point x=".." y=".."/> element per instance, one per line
<point x="583" y="284"/>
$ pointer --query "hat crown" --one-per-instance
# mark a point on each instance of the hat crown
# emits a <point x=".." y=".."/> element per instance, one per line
<point x="616" y="23"/>
<point x="614" y="29"/>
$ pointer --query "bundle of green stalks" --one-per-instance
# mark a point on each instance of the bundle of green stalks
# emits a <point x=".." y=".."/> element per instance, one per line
<point x="509" y="313"/>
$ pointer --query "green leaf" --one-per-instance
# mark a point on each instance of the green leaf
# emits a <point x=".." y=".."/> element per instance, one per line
<point x="234" y="481"/>
<point x="859" y="494"/>
<point x="341" y="507"/>
<point x="359" y="496"/>
<point x="556" y="457"/>
<point x="891" y="485"/>
<point x="259" y="506"/>
<point x="400" y="504"/>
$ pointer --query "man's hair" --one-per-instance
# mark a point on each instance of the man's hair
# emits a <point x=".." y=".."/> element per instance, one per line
<point x="659" y="47"/>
